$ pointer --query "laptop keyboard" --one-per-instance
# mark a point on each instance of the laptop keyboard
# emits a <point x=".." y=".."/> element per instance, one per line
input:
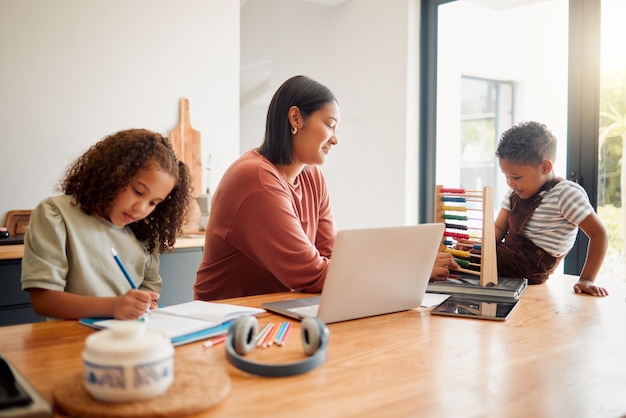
<point x="305" y="310"/>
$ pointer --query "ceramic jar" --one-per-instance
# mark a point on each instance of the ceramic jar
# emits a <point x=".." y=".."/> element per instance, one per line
<point x="127" y="362"/>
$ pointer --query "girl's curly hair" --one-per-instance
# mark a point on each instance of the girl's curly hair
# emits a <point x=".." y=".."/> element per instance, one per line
<point x="106" y="168"/>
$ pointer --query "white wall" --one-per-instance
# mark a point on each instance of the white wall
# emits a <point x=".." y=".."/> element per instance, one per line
<point x="73" y="71"/>
<point x="366" y="52"/>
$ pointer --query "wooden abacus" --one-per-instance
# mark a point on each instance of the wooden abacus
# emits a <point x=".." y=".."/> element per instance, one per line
<point x="475" y="248"/>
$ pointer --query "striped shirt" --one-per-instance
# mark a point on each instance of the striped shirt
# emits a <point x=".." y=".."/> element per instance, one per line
<point x="554" y="224"/>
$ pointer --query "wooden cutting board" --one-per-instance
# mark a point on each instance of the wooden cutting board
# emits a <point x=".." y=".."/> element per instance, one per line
<point x="187" y="146"/>
<point x="17" y="221"/>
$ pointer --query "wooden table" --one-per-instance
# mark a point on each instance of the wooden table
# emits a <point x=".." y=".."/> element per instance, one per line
<point x="558" y="355"/>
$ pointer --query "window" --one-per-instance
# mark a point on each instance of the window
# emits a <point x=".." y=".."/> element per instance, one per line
<point x="487" y="109"/>
<point x="549" y="52"/>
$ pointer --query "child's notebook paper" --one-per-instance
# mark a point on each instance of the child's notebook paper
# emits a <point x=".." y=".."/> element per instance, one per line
<point x="187" y="322"/>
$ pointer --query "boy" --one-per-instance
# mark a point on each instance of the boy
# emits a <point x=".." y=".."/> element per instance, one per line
<point x="541" y="213"/>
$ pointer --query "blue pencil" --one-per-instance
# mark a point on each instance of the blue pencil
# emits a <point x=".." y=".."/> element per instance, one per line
<point x="123" y="268"/>
<point x="284" y="334"/>
<point x="130" y="279"/>
<point x="281" y="333"/>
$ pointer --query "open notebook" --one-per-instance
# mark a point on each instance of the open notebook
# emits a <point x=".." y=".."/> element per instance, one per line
<point x="186" y="322"/>
<point x="372" y="272"/>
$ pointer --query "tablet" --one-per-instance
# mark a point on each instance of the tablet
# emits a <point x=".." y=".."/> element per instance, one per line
<point x="18" y="398"/>
<point x="471" y="308"/>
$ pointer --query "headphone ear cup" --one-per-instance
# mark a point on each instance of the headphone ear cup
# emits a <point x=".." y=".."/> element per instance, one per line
<point x="313" y="330"/>
<point x="245" y="331"/>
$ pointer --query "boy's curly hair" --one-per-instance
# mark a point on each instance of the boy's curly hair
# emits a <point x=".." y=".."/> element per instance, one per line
<point x="527" y="143"/>
<point x="106" y="168"/>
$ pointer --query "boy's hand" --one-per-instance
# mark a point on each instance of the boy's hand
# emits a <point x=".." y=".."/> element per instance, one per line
<point x="587" y="286"/>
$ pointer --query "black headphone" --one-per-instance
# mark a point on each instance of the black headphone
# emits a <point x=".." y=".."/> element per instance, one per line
<point x="241" y="340"/>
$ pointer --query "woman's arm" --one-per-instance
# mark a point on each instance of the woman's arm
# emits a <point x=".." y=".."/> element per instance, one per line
<point x="444" y="262"/>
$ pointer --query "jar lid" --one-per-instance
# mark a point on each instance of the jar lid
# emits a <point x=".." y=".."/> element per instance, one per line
<point x="127" y="337"/>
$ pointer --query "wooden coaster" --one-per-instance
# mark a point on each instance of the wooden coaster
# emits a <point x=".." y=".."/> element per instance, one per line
<point x="197" y="386"/>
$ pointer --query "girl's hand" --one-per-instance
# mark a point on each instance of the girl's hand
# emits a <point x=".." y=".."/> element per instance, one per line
<point x="154" y="296"/>
<point x="133" y="304"/>
<point x="587" y="286"/>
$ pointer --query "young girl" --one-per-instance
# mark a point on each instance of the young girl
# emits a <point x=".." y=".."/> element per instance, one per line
<point x="128" y="192"/>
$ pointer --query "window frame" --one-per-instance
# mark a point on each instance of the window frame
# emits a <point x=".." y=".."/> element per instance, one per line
<point x="504" y="110"/>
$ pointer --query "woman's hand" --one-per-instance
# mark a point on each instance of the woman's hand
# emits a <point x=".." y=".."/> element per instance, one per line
<point x="443" y="264"/>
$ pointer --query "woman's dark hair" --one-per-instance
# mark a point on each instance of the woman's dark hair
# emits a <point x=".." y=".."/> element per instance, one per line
<point x="308" y="95"/>
<point x="106" y="168"/>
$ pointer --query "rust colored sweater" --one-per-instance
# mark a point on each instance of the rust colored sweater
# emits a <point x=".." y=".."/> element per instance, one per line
<point x="265" y="235"/>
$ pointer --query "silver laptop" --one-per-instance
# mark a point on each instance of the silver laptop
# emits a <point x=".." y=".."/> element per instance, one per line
<point x="372" y="272"/>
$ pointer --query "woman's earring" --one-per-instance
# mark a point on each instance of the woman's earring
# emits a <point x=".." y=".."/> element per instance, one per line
<point x="294" y="130"/>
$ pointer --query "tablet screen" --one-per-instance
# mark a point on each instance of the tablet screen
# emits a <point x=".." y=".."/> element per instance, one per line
<point x="469" y="308"/>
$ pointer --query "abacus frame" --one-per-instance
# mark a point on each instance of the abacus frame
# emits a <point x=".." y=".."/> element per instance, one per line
<point x="488" y="272"/>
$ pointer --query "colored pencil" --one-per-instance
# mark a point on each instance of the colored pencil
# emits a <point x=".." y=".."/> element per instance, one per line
<point x="280" y="332"/>
<point x="214" y="341"/>
<point x="263" y="334"/>
<point x="269" y="338"/>
<point x="283" y="338"/>
<point x="259" y="336"/>
<point x="123" y="268"/>
<point x="128" y="278"/>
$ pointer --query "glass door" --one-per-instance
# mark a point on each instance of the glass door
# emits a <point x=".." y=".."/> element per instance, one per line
<point x="612" y="142"/>
<point x="498" y="63"/>
<point x="488" y="64"/>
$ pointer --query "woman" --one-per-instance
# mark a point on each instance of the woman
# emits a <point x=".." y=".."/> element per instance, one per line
<point x="271" y="227"/>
